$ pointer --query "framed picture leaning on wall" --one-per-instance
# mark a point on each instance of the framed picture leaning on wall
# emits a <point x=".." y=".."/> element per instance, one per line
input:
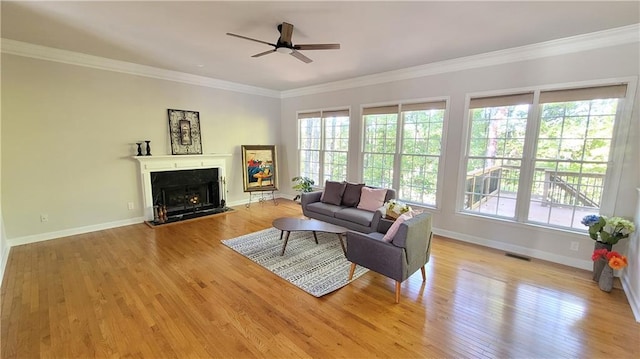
<point x="184" y="131"/>
<point x="259" y="170"/>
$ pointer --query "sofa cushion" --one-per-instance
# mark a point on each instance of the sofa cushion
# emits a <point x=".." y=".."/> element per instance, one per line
<point x="333" y="192"/>
<point x="355" y="215"/>
<point x="372" y="198"/>
<point x="351" y="196"/>
<point x="393" y="230"/>
<point x="323" y="208"/>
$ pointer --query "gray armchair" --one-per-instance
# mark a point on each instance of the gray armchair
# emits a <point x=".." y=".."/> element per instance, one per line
<point x="399" y="259"/>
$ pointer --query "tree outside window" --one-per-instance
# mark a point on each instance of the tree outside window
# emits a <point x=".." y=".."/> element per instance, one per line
<point x="323" y="145"/>
<point x="402" y="149"/>
<point x="570" y="153"/>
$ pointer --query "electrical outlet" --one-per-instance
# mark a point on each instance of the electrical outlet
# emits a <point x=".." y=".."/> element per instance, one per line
<point x="130" y="205"/>
<point x="575" y="246"/>
<point x="44" y="218"/>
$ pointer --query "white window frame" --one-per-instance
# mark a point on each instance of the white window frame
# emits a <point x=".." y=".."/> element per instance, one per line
<point x="322" y="150"/>
<point x="616" y="156"/>
<point x="399" y="144"/>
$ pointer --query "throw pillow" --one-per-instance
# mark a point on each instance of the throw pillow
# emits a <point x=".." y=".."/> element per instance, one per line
<point x="372" y="198"/>
<point x="332" y="193"/>
<point x="351" y="196"/>
<point x="388" y="237"/>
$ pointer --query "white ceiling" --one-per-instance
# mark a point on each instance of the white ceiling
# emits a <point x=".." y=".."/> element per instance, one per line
<point x="375" y="36"/>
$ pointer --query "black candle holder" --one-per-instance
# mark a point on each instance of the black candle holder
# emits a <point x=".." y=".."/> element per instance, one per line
<point x="148" y="148"/>
<point x="139" y="148"/>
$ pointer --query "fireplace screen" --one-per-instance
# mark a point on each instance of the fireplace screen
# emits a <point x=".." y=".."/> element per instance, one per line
<point x="184" y="199"/>
<point x="187" y="191"/>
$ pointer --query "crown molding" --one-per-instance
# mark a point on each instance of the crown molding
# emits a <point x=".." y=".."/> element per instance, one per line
<point x="25" y="49"/>
<point x="596" y="40"/>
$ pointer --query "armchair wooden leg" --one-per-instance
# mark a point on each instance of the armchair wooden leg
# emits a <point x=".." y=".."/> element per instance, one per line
<point x="397" y="292"/>
<point x="352" y="270"/>
<point x="424" y="275"/>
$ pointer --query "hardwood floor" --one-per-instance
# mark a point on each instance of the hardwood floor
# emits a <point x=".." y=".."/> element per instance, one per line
<point x="176" y="291"/>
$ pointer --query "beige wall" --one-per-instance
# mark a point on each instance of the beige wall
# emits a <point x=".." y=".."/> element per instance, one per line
<point x="4" y="247"/>
<point x="69" y="133"/>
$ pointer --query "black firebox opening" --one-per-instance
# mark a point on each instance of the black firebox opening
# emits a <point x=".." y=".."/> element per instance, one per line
<point x="186" y="193"/>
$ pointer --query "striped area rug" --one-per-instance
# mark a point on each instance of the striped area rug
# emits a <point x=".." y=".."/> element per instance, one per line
<point x="318" y="269"/>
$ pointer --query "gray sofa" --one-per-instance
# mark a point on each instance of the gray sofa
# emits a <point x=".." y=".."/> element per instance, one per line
<point x="346" y="213"/>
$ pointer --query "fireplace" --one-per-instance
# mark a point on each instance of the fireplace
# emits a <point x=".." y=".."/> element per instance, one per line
<point x="186" y="192"/>
<point x="189" y="186"/>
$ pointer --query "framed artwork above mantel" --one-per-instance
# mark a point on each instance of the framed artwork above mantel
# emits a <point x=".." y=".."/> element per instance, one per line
<point x="184" y="131"/>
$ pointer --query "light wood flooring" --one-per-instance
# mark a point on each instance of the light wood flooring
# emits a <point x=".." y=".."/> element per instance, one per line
<point x="176" y="292"/>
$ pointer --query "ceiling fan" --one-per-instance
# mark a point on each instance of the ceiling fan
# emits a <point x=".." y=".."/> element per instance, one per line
<point x="285" y="45"/>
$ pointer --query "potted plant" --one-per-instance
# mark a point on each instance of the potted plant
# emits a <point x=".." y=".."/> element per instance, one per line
<point x="302" y="185"/>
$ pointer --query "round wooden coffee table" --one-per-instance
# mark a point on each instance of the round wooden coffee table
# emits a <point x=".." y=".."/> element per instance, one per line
<point x="287" y="224"/>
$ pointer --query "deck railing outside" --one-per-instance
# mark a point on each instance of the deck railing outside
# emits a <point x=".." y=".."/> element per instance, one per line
<point x="552" y="188"/>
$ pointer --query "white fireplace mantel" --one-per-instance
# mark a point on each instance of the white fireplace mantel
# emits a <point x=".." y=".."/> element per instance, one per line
<point x="150" y="164"/>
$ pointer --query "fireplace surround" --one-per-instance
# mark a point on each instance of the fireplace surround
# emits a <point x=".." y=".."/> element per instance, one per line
<point x="188" y="185"/>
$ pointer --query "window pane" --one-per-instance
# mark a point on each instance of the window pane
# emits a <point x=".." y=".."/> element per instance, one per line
<point x="379" y="149"/>
<point x="310" y="165"/>
<point x="419" y="179"/>
<point x="310" y="133"/>
<point x="335" y="166"/>
<point x="378" y="170"/>
<point x="324" y="139"/>
<point x="492" y="189"/>
<point x="380" y="133"/>
<point x="336" y="134"/>
<point x="571" y="161"/>
<point x="495" y="151"/>
<point x="421" y="150"/>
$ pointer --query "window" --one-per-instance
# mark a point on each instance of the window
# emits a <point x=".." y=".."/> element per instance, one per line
<point x="380" y="136"/>
<point x="323" y="145"/>
<point x="572" y="155"/>
<point x="495" y="153"/>
<point x="402" y="149"/>
<point x="568" y="145"/>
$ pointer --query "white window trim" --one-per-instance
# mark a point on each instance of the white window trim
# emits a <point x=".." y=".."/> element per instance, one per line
<point x="322" y="150"/>
<point x="396" y="175"/>
<point x="614" y="172"/>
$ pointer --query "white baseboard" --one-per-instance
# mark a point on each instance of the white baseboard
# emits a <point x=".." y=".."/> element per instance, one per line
<point x="97" y="227"/>
<point x="534" y="253"/>
<point x="633" y="300"/>
<point x="71" y="231"/>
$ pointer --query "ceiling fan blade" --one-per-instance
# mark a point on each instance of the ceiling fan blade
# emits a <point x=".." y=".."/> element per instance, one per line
<point x="286" y="31"/>
<point x="250" y="39"/>
<point x="300" y="57"/>
<point x="317" y="47"/>
<point x="264" y="53"/>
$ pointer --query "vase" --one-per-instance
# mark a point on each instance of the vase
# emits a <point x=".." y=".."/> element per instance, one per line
<point x="606" y="279"/>
<point x="601" y="245"/>
<point x="598" y="266"/>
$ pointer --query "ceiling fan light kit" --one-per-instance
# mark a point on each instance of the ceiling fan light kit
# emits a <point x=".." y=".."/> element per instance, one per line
<point x="284" y="50"/>
<point x="285" y="46"/>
